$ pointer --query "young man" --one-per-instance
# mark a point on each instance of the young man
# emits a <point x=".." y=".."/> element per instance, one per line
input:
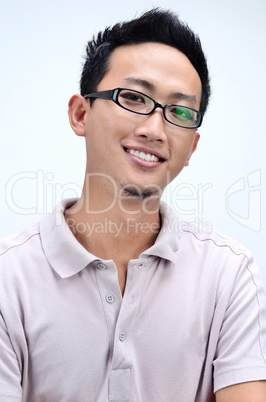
<point x="111" y="298"/>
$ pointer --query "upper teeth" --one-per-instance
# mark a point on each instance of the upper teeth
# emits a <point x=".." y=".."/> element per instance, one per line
<point x="143" y="156"/>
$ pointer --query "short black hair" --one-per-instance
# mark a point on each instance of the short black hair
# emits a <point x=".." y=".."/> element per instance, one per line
<point x="155" y="25"/>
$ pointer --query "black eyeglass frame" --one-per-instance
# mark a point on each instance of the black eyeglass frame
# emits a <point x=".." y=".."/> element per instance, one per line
<point x="112" y="94"/>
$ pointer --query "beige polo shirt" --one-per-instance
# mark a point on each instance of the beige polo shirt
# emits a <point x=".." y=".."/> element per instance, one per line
<point x="192" y="319"/>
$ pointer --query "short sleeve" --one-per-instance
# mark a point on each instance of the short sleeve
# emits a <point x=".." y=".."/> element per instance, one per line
<point x="10" y="378"/>
<point x="241" y="350"/>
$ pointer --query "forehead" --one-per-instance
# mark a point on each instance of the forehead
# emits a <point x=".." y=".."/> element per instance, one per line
<point x="165" y="67"/>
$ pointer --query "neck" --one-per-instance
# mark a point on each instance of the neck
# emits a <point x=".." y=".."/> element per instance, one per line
<point x="115" y="235"/>
<point x="109" y="223"/>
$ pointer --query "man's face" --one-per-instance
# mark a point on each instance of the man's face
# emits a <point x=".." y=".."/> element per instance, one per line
<point x="114" y="135"/>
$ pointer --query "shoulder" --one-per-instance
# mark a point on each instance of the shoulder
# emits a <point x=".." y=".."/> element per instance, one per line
<point x="198" y="234"/>
<point x="200" y="242"/>
<point x="225" y="261"/>
<point x="20" y="241"/>
<point x="212" y="239"/>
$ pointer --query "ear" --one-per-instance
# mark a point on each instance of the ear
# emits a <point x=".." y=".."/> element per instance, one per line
<point x="194" y="147"/>
<point x="77" y="109"/>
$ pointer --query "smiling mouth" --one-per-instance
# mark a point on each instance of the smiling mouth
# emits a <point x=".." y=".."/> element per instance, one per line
<point x="143" y="156"/>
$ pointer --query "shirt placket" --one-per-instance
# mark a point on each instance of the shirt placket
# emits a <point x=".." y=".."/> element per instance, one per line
<point x="120" y="315"/>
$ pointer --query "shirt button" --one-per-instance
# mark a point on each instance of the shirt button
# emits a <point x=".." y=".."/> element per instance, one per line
<point x="109" y="298"/>
<point x="122" y="336"/>
<point x="100" y="265"/>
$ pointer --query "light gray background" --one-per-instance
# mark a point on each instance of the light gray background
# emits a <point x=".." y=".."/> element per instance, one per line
<point x="41" y="160"/>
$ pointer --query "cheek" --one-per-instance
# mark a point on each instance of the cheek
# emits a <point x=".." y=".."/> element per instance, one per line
<point x="181" y="146"/>
<point x="180" y="151"/>
<point x="103" y="137"/>
<point x="177" y="165"/>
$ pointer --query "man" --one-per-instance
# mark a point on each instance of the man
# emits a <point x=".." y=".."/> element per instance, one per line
<point x="112" y="297"/>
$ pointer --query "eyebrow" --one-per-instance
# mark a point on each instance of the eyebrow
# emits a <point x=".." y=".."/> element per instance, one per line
<point x="148" y="85"/>
<point x="141" y="82"/>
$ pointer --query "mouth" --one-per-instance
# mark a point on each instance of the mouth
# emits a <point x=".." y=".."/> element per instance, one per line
<point x="144" y="156"/>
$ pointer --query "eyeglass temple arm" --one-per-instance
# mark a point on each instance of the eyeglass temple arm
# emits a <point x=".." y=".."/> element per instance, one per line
<point x="102" y="94"/>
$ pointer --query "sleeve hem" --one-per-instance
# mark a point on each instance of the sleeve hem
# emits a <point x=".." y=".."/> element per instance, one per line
<point x="239" y="376"/>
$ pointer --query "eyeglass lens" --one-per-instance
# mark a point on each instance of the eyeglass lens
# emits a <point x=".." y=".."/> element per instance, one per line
<point x="139" y="103"/>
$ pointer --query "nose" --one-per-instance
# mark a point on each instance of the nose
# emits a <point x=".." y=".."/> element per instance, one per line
<point x="152" y="126"/>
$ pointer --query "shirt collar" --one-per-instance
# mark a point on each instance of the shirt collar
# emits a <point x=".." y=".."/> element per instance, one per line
<point x="167" y="242"/>
<point x="65" y="254"/>
<point x="68" y="257"/>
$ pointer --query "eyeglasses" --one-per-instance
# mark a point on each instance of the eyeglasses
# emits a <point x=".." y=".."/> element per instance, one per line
<point x="140" y="103"/>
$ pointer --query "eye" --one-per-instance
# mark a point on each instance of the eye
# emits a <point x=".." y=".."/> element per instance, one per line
<point x="183" y="114"/>
<point x="135" y="102"/>
<point x="132" y="97"/>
